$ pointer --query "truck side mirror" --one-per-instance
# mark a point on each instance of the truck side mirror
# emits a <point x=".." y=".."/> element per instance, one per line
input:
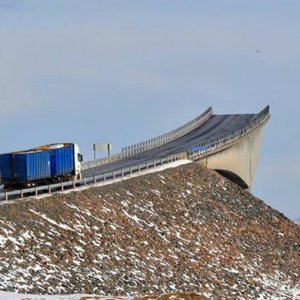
<point x="80" y="157"/>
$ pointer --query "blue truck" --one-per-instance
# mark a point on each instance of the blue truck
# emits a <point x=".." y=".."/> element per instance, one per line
<point x="40" y="165"/>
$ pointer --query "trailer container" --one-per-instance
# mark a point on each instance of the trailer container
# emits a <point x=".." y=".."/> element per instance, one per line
<point x="30" y="166"/>
<point x="40" y="165"/>
<point x="22" y="167"/>
<point x="62" y="161"/>
<point x="6" y="167"/>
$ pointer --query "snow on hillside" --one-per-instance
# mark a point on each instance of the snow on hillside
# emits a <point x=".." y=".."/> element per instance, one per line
<point x="14" y="296"/>
<point x="183" y="229"/>
<point x="176" y="296"/>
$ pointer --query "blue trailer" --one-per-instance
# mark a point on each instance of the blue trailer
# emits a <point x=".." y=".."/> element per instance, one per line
<point x="62" y="160"/>
<point x="6" y="167"/>
<point x="40" y="165"/>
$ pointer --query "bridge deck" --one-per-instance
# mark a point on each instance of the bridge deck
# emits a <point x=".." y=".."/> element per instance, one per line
<point x="216" y="126"/>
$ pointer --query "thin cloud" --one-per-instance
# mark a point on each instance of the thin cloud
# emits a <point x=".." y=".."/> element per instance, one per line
<point x="126" y="57"/>
<point x="11" y="5"/>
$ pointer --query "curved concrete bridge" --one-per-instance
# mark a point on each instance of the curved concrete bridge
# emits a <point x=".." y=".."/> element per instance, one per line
<point x="229" y="144"/>
<point x="235" y="156"/>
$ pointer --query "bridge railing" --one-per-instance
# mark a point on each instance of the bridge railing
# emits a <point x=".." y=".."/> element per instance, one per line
<point x="101" y="161"/>
<point x="152" y="143"/>
<point x="204" y="148"/>
<point x="168" y="137"/>
<point x="101" y="178"/>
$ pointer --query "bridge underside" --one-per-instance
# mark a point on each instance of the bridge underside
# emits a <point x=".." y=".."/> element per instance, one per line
<point x="239" y="161"/>
<point x="234" y="178"/>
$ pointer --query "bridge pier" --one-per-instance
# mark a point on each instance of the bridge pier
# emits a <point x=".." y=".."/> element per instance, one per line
<point x="238" y="161"/>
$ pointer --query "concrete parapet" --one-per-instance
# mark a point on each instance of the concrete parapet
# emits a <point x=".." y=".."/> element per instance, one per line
<point x="239" y="160"/>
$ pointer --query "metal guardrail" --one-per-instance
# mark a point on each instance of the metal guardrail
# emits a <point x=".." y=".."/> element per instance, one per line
<point x="117" y="174"/>
<point x="205" y="148"/>
<point x="101" y="161"/>
<point x="152" y="143"/>
<point x="170" y="136"/>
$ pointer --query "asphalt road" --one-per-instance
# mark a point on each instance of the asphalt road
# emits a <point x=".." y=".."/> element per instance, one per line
<point x="217" y="125"/>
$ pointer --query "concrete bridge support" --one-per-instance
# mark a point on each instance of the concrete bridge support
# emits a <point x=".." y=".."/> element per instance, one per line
<point x="239" y="160"/>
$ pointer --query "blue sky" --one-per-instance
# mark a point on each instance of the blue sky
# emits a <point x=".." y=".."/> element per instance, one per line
<point x="124" y="71"/>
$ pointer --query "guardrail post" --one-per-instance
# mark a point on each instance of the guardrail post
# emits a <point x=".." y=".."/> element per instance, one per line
<point x="36" y="191"/>
<point x="6" y="196"/>
<point x="104" y="177"/>
<point x="62" y="186"/>
<point x="130" y="170"/>
<point x="22" y="193"/>
<point x="95" y="180"/>
<point x="74" y="184"/>
<point x="49" y="189"/>
<point x="122" y="173"/>
<point x="114" y="174"/>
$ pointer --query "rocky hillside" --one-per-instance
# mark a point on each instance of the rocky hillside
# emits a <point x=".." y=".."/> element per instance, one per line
<point x="183" y="229"/>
